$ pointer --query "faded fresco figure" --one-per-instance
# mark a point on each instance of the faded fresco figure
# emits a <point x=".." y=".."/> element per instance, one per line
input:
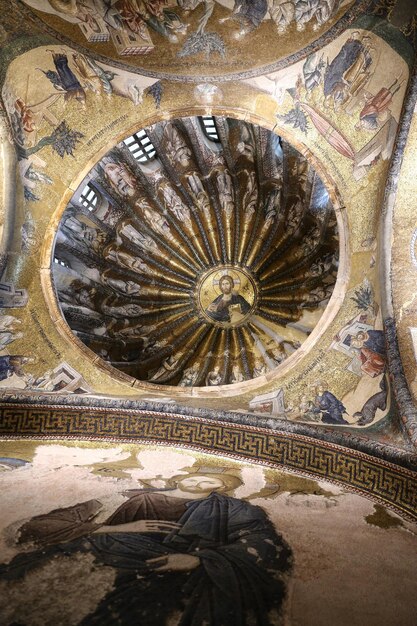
<point x="7" y="337"/>
<point x="198" y="192"/>
<point x="78" y="231"/>
<point x="139" y="239"/>
<point x="271" y="207"/>
<point x="152" y="346"/>
<point x="176" y="147"/>
<point x="306" y="408"/>
<point x="134" y="331"/>
<point x="190" y="5"/>
<point x="191" y="552"/>
<point x="321" y="10"/>
<point x="8" y="322"/>
<point x="313" y="68"/>
<point x="246" y="146"/>
<point x="155" y="14"/>
<point x="121" y="311"/>
<point x="222" y="306"/>
<point x="80" y="295"/>
<point x="248" y="14"/>
<point x="100" y="79"/>
<point x="123" y="287"/>
<point x="170" y="365"/>
<point x="282" y="13"/>
<point x="124" y="259"/>
<point x="225" y="187"/>
<point x="278" y="355"/>
<point x="158" y="221"/>
<point x="173" y="203"/>
<point x="250" y="199"/>
<point x="259" y="368"/>
<point x="86" y="11"/>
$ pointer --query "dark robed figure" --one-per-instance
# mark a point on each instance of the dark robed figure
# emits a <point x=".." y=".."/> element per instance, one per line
<point x="215" y="560"/>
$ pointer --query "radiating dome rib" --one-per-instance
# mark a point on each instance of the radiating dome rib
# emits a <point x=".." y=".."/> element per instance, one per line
<point x="168" y="203"/>
<point x="210" y="166"/>
<point x="208" y="265"/>
<point x="172" y="146"/>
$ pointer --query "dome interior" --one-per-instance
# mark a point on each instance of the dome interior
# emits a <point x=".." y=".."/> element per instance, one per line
<point x="197" y="252"/>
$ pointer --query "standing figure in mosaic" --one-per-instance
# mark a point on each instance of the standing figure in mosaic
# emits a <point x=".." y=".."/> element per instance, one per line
<point x="190" y="375"/>
<point x="214" y="377"/>
<point x="119" y="177"/>
<point x="225" y="186"/>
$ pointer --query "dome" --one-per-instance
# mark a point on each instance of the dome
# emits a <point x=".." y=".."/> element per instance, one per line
<point x="197" y="252"/>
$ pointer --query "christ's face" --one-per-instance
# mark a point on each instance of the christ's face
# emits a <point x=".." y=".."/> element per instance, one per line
<point x="226" y="286"/>
<point x="200" y="484"/>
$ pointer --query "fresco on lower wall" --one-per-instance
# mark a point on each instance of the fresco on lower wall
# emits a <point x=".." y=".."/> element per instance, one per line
<point x="220" y="34"/>
<point x="115" y="534"/>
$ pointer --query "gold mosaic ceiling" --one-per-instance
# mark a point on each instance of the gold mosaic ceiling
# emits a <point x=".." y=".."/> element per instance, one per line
<point x="208" y="263"/>
<point x="189" y="39"/>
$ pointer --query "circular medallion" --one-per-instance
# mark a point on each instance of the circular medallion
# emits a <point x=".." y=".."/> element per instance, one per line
<point x="214" y="275"/>
<point x="226" y="296"/>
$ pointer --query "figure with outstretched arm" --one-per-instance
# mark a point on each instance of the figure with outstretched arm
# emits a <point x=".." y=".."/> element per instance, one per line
<point x="191" y="552"/>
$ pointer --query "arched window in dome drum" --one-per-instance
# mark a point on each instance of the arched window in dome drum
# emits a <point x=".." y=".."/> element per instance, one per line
<point x="89" y="197"/>
<point x="208" y="124"/>
<point x="141" y="147"/>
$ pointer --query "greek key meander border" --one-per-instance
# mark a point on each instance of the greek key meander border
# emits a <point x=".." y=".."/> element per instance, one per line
<point x="392" y="485"/>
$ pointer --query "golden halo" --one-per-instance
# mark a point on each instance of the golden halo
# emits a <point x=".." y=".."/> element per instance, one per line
<point x="208" y="293"/>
